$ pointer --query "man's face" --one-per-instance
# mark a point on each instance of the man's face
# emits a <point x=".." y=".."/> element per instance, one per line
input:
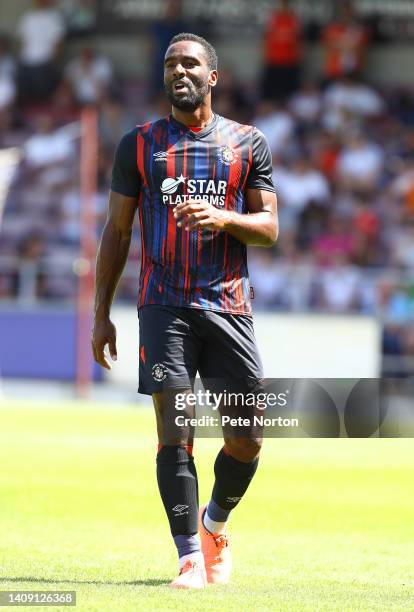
<point x="187" y="76"/>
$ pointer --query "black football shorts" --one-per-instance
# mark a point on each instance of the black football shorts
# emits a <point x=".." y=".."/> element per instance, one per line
<point x="177" y="342"/>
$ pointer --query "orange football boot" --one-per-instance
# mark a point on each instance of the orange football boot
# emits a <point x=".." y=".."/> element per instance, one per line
<point x="216" y="551"/>
<point x="192" y="576"/>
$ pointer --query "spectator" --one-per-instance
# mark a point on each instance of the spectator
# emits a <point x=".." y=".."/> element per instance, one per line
<point x="336" y="242"/>
<point x="282" y="53"/>
<point x="360" y="163"/>
<point x="407" y="144"/>
<point x="90" y="76"/>
<point x="64" y="108"/>
<point x="231" y="97"/>
<point x="306" y="103"/>
<point x="341" y="122"/>
<point x="393" y="351"/>
<point x="277" y="125"/>
<point x="409" y="341"/>
<point x="40" y="33"/>
<point x="404" y="107"/>
<point x="114" y="121"/>
<point x="267" y="278"/>
<point x="346" y="206"/>
<point x="299" y="185"/>
<point x="340" y="286"/>
<point x="353" y="96"/>
<point x="400" y="306"/>
<point x="366" y="227"/>
<point x="159" y="107"/>
<point x="7" y="77"/>
<point x="48" y="145"/>
<point x="402" y="247"/>
<point x="311" y="223"/>
<point x="345" y="42"/>
<point x="31" y="250"/>
<point x="8" y="284"/>
<point x="325" y="149"/>
<point x="402" y="188"/>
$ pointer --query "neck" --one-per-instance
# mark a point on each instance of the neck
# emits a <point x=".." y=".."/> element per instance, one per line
<point x="200" y="117"/>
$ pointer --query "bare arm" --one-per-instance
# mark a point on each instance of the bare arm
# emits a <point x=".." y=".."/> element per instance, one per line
<point x="260" y="227"/>
<point x="112" y="255"/>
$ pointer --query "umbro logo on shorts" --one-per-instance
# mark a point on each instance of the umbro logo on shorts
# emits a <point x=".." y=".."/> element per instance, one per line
<point x="160" y="156"/>
<point x="180" y="510"/>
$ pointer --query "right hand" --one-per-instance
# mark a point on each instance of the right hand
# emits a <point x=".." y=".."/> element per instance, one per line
<point x="104" y="333"/>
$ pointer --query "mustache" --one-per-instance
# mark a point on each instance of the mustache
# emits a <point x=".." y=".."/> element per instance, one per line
<point x="197" y="89"/>
<point x="187" y="82"/>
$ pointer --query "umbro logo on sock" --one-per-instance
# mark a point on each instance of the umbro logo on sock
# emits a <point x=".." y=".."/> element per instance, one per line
<point x="233" y="499"/>
<point x="180" y="510"/>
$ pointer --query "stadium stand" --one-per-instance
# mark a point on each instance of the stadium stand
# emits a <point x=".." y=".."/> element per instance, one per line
<point x="343" y="153"/>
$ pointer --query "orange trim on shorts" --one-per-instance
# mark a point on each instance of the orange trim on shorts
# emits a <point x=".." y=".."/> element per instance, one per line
<point x="188" y="448"/>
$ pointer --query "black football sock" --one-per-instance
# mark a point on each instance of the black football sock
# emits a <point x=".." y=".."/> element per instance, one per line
<point x="178" y="485"/>
<point x="232" y="480"/>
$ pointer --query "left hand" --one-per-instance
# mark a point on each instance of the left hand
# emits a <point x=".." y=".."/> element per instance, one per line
<point x="195" y="215"/>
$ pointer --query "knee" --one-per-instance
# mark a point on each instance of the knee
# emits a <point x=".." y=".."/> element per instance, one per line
<point x="169" y="432"/>
<point x="243" y="449"/>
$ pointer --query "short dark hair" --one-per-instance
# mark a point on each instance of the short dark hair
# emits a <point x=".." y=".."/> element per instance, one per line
<point x="210" y="51"/>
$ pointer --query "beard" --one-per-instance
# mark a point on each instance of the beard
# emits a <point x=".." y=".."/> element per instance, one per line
<point x="197" y="91"/>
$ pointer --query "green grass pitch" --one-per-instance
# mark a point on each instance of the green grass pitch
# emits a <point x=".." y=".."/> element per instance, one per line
<point x="326" y="524"/>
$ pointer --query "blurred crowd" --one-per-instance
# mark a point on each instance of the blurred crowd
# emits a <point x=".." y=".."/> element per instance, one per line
<point x="343" y="153"/>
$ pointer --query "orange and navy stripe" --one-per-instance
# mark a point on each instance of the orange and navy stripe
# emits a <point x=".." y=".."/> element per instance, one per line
<point x="202" y="269"/>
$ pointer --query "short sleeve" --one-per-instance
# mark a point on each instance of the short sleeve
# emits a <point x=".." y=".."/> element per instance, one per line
<point x="126" y="179"/>
<point x="261" y="171"/>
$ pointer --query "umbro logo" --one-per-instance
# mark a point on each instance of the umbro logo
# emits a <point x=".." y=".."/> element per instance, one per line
<point x="180" y="510"/>
<point x="160" y="156"/>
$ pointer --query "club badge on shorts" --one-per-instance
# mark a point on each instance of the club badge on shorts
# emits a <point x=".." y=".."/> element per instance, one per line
<point x="159" y="372"/>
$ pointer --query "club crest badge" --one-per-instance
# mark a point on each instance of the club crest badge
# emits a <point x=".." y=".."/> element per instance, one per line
<point x="159" y="372"/>
<point x="227" y="155"/>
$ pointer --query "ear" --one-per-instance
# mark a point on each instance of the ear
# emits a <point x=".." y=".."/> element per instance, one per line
<point x="212" y="79"/>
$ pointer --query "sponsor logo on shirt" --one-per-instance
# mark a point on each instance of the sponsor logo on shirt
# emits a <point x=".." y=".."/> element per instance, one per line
<point x="205" y="190"/>
<point x="170" y="185"/>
